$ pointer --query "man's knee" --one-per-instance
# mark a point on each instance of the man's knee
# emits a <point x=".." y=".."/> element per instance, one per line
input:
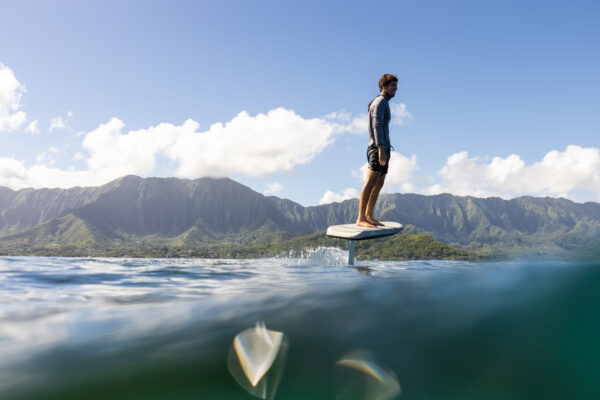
<point x="378" y="182"/>
<point x="370" y="186"/>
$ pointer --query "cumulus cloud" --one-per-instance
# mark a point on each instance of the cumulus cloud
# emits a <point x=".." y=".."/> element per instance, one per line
<point x="12" y="173"/>
<point x="330" y="196"/>
<point x="116" y="154"/>
<point x="15" y="175"/>
<point x="33" y="127"/>
<point x="400" y="115"/>
<point x="347" y="123"/>
<point x="273" y="188"/>
<point x="252" y="145"/>
<point x="60" y="123"/>
<point x="559" y="173"/>
<point x="57" y="123"/>
<point x="569" y="173"/>
<point x="46" y="157"/>
<point x="11" y="117"/>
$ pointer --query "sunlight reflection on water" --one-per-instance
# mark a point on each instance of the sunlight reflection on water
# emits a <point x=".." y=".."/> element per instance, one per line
<point x="257" y="359"/>
<point x="373" y="383"/>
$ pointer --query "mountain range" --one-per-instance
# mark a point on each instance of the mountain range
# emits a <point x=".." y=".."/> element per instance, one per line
<point x="186" y="213"/>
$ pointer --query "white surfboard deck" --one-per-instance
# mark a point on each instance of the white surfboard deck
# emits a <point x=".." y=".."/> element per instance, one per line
<point x="353" y="232"/>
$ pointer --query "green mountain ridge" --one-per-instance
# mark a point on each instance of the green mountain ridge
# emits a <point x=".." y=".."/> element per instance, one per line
<point x="208" y="213"/>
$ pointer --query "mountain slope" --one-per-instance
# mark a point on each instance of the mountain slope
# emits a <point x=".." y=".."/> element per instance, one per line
<point x="187" y="213"/>
<point x="131" y="208"/>
<point x="23" y="209"/>
<point x="492" y="223"/>
<point x="169" y="207"/>
<point x="66" y="230"/>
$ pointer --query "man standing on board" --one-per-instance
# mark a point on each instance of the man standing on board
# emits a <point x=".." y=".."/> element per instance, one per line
<point x="378" y="152"/>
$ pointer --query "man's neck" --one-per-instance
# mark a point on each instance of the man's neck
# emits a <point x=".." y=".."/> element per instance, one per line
<point x="385" y="95"/>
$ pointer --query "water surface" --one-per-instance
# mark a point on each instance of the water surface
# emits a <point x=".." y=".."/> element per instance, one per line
<point x="92" y="328"/>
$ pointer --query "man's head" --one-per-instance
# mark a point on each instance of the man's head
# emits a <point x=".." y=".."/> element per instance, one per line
<point x="388" y="84"/>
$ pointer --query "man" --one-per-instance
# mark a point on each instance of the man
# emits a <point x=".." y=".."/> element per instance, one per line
<point x="378" y="152"/>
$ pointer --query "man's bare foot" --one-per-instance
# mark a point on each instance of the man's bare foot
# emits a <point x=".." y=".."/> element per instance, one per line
<point x="374" y="221"/>
<point x="364" y="223"/>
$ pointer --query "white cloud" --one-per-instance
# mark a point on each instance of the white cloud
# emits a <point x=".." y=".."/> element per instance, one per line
<point x="273" y="188"/>
<point x="339" y="116"/>
<point x="347" y="123"/>
<point x="60" y="123"/>
<point x="252" y="145"/>
<point x="11" y="117"/>
<point x="33" y="127"/>
<point x="57" y="123"/>
<point x="15" y="175"/>
<point x="46" y="158"/>
<point x="115" y="154"/>
<point x="330" y="197"/>
<point x="400" y="115"/>
<point x="12" y="172"/>
<point x="561" y="174"/>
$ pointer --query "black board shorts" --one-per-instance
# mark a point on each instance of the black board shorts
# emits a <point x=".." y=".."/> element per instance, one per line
<point x="373" y="159"/>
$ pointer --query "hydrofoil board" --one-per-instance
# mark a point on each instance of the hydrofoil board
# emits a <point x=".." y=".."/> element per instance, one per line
<point x="353" y="232"/>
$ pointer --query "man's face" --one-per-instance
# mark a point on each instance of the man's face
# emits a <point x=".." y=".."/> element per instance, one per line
<point x="390" y="89"/>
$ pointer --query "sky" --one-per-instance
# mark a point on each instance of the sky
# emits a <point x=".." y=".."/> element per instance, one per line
<point x="495" y="98"/>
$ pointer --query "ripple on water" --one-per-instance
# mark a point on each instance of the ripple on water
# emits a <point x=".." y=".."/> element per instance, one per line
<point x="441" y="329"/>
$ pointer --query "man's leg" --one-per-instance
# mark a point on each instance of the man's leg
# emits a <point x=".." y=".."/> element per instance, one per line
<point x="373" y="199"/>
<point x="365" y="194"/>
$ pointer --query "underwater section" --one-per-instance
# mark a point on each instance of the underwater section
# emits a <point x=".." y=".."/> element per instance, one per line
<point x="297" y="329"/>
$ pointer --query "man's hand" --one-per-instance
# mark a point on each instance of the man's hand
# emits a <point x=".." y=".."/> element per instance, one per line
<point x="382" y="156"/>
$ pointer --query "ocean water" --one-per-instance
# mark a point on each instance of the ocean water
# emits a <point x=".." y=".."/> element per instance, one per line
<point x="94" y="328"/>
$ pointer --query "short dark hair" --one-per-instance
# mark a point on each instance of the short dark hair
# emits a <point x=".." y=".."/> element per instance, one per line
<point x="386" y="79"/>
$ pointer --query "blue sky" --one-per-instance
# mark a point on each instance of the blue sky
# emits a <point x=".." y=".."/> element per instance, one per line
<point x="495" y="98"/>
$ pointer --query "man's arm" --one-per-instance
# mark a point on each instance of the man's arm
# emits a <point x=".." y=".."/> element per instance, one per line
<point x="378" y="124"/>
<point x="382" y="155"/>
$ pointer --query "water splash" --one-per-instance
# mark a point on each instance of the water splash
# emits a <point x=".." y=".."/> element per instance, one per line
<point x="322" y="256"/>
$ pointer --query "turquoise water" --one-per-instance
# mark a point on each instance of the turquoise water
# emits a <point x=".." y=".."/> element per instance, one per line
<point x="90" y="328"/>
